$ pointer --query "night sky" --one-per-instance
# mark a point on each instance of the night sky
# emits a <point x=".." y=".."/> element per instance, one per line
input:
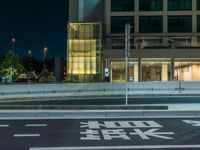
<point x="35" y="24"/>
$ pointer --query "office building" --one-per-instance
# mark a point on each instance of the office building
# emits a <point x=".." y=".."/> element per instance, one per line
<point x="165" y="38"/>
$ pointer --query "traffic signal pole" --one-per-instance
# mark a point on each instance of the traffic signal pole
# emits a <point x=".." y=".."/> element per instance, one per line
<point x="127" y="55"/>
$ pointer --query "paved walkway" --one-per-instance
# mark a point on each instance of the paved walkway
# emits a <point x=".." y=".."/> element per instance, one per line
<point x="184" y="107"/>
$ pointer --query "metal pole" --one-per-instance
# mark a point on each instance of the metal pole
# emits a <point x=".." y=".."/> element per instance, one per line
<point x="126" y="81"/>
<point x="127" y="54"/>
<point x="13" y="42"/>
<point x="45" y="54"/>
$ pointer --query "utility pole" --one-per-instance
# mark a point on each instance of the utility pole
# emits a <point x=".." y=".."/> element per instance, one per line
<point x="127" y="55"/>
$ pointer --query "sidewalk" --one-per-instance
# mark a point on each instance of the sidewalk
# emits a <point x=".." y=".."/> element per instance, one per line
<point x="184" y="107"/>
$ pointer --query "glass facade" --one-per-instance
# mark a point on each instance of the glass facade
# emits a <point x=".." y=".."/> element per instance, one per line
<point x="151" y="42"/>
<point x="187" y="71"/>
<point x="151" y="24"/>
<point x="182" y="42"/>
<point x="84" y="52"/>
<point x="198" y="4"/>
<point x="118" y="23"/>
<point x="118" y="71"/>
<point x="118" y="43"/>
<point x="179" y="24"/>
<point x="198" y="23"/>
<point x="179" y="4"/>
<point x="122" y="5"/>
<point x="150" y="5"/>
<point x="156" y="71"/>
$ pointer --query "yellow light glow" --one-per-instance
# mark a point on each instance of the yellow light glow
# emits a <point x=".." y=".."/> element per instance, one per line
<point x="82" y="57"/>
<point x="84" y="48"/>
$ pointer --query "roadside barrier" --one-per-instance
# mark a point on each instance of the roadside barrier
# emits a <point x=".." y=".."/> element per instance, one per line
<point x="99" y="89"/>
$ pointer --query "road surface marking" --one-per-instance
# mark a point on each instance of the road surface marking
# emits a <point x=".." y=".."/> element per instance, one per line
<point x="35" y="125"/>
<point x="2" y="126"/>
<point x="26" y="135"/>
<point x="193" y="122"/>
<point x="118" y="147"/>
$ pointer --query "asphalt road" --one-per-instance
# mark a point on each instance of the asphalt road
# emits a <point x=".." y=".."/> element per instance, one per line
<point x="109" y="101"/>
<point x="104" y="134"/>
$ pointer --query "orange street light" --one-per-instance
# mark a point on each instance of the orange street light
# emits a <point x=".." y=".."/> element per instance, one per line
<point x="45" y="52"/>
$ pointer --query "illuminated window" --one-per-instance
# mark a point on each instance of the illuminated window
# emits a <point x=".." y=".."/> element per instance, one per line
<point x="84" y="50"/>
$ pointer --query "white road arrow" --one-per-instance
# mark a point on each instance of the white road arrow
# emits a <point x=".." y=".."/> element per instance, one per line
<point x="151" y="133"/>
<point x="193" y="122"/>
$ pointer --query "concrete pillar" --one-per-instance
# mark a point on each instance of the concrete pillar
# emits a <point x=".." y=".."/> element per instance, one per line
<point x="172" y="69"/>
<point x="194" y="23"/>
<point x="111" y="70"/>
<point x="165" y="72"/>
<point x="139" y="70"/>
<point x="165" y="16"/>
<point x="136" y="17"/>
<point x="194" y="16"/>
<point x="108" y="15"/>
<point x="165" y="22"/>
<point x="194" y="42"/>
<point x="136" y="79"/>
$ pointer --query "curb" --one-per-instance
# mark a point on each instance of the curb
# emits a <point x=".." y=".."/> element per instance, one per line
<point x="85" y="114"/>
<point x="49" y="98"/>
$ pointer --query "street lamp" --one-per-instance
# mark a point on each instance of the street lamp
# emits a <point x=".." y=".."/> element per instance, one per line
<point x="29" y="60"/>
<point x="45" y="53"/>
<point x="127" y="55"/>
<point x="13" y="42"/>
<point x="29" y="53"/>
<point x="11" y="68"/>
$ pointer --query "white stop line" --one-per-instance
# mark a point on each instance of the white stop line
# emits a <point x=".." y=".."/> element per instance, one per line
<point x="118" y="147"/>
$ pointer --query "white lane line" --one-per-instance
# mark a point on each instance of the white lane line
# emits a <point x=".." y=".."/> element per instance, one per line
<point x="118" y="147"/>
<point x="26" y="135"/>
<point x="4" y="125"/>
<point x="35" y="125"/>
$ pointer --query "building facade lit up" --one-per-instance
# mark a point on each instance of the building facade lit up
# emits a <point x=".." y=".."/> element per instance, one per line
<point x="165" y="38"/>
<point x="84" y="52"/>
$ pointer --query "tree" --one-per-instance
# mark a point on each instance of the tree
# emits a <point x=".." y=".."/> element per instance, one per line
<point x="46" y="76"/>
<point x="29" y="63"/>
<point x="1" y="58"/>
<point x="11" y="66"/>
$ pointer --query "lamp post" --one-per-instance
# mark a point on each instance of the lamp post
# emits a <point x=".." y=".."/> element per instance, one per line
<point x="13" y="43"/>
<point x="127" y="55"/>
<point x="29" y="53"/>
<point x="45" y="53"/>
<point x="29" y="60"/>
<point x="11" y="68"/>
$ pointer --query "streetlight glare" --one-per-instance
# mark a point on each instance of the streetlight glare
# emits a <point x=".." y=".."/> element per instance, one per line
<point x="13" y="40"/>
<point x="45" y="49"/>
<point x="29" y="53"/>
<point x="45" y="53"/>
<point x="13" y="43"/>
